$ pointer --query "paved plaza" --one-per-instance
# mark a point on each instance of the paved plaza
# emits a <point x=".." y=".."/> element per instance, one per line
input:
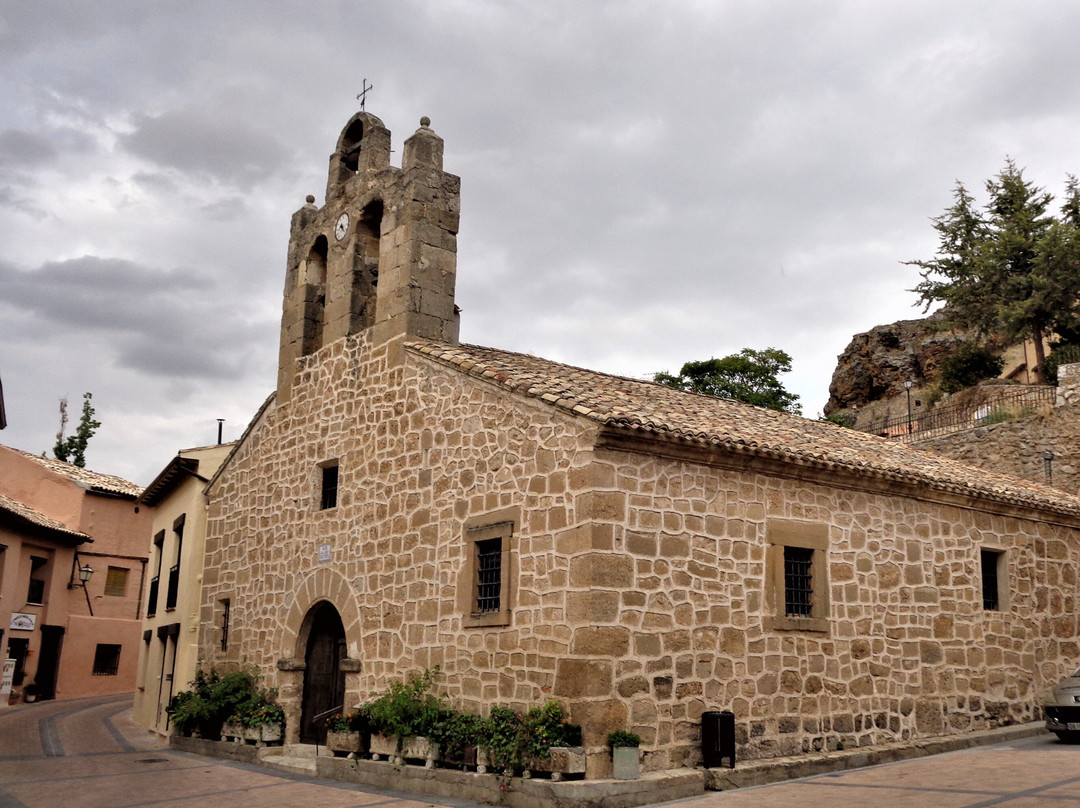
<point x="88" y="753"/>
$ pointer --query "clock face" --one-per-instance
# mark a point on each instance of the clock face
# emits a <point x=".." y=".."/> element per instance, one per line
<point x="342" y="226"/>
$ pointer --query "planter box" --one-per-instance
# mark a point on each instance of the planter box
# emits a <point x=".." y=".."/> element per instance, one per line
<point x="383" y="747"/>
<point x="232" y="732"/>
<point x="465" y="760"/>
<point x="563" y="761"/>
<point x="625" y="763"/>
<point x="345" y="743"/>
<point x="413" y="748"/>
<point x="264" y="734"/>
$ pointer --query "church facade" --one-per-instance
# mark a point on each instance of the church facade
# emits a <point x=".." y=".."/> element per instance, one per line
<point x="638" y="553"/>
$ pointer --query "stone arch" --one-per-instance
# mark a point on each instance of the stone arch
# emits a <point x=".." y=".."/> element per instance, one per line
<point x="322" y="586"/>
<point x="365" y="277"/>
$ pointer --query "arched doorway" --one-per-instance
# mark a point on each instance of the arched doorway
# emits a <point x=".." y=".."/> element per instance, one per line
<point x="324" y="681"/>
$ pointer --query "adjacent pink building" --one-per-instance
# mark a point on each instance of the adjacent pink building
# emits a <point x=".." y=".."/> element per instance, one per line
<point x="67" y="639"/>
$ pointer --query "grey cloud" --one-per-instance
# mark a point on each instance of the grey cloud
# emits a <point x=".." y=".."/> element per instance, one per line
<point x="206" y="142"/>
<point x="25" y="148"/>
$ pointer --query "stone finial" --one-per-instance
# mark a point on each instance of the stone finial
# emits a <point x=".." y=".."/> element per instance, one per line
<point x="310" y="199"/>
<point x="425" y="122"/>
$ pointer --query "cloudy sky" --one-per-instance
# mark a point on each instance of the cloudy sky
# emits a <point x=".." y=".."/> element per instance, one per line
<point x="642" y="183"/>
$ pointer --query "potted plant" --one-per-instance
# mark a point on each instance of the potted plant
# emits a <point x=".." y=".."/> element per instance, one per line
<point x="625" y="760"/>
<point x="407" y="712"/>
<point x="347" y="734"/>
<point x="550" y="743"/>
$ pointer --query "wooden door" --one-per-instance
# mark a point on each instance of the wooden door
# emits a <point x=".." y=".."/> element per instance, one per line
<point x="324" y="681"/>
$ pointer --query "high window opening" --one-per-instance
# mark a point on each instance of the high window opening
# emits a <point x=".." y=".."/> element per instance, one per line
<point x="35" y="591"/>
<point x="329" y="491"/>
<point x="993" y="576"/>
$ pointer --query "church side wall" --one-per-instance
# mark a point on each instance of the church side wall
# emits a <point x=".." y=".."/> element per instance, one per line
<point x="908" y="650"/>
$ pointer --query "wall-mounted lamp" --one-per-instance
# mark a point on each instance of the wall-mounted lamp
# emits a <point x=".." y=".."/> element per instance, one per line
<point x="85" y="573"/>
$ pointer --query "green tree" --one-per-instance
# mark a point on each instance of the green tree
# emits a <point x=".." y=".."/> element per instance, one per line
<point x="72" y="449"/>
<point x="749" y="376"/>
<point x="1011" y="269"/>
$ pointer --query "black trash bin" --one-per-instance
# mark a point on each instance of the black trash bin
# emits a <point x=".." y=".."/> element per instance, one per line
<point x="717" y="738"/>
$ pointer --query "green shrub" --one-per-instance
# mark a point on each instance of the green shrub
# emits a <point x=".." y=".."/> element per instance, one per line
<point x="213" y="700"/>
<point x="407" y="708"/>
<point x="622" y="738"/>
<point x="967" y="366"/>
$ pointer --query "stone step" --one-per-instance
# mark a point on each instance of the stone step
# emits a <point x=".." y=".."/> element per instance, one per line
<point x="295" y="765"/>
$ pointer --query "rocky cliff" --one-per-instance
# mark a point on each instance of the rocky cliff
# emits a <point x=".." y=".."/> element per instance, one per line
<point x="875" y="364"/>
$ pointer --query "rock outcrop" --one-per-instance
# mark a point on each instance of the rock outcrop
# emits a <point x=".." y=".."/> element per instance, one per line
<point x="875" y="364"/>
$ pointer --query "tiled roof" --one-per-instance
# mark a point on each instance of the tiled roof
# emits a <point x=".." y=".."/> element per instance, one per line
<point x="105" y="483"/>
<point x="666" y="413"/>
<point x="28" y="514"/>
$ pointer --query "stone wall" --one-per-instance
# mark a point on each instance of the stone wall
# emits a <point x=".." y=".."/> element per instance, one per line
<point x="640" y="583"/>
<point x="1015" y="447"/>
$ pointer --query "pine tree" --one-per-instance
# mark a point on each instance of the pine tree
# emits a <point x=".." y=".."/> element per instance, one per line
<point x="1010" y="270"/>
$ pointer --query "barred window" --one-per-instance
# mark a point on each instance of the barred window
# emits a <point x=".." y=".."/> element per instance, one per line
<point x="797" y="575"/>
<point x="798" y="581"/>
<point x="225" y="604"/>
<point x="488" y="576"/>
<point x="485" y="596"/>
<point x="116" y="581"/>
<point x="106" y="659"/>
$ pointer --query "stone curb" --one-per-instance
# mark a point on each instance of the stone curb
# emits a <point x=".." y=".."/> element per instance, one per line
<point x="772" y="770"/>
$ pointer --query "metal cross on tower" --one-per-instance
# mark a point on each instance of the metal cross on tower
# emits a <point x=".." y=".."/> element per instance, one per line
<point x="361" y="96"/>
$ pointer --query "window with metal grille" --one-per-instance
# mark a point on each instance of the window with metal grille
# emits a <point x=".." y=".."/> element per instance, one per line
<point x="488" y="576"/>
<point x="225" y="604"/>
<point x="329" y="487"/>
<point x="798" y="582"/>
<point x="990" y="591"/>
<point x="116" y="581"/>
<point x="106" y="660"/>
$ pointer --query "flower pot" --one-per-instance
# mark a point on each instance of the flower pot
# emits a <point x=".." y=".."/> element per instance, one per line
<point x="561" y="761"/>
<point x="270" y="733"/>
<point x="344" y="743"/>
<point x="625" y="763"/>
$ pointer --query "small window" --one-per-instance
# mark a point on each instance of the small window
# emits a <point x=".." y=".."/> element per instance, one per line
<point x="35" y="592"/>
<point x="485" y="594"/>
<point x="798" y="581"/>
<point x="488" y="576"/>
<point x="116" y="581"/>
<point x="225" y="604"/>
<point x="106" y="660"/>
<point x="329" y="487"/>
<point x="993" y="573"/>
<point x="797" y="585"/>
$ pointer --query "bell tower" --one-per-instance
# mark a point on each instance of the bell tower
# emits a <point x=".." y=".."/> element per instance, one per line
<point x="381" y="254"/>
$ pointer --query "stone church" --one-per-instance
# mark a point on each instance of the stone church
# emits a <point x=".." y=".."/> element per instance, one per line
<point x="640" y="554"/>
